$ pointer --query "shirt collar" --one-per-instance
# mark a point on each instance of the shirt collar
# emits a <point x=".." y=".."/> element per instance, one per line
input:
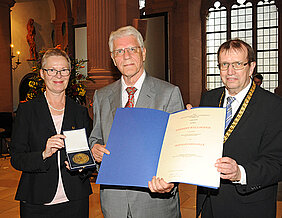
<point x="241" y="95"/>
<point x="137" y="85"/>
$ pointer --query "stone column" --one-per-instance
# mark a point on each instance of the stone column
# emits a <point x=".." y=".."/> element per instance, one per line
<point x="103" y="17"/>
<point x="6" y="94"/>
<point x="100" y="16"/>
<point x="100" y="23"/>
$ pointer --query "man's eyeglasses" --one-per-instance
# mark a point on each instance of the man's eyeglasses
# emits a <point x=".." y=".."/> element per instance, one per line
<point x="236" y="65"/>
<point x="54" y="72"/>
<point x="131" y="50"/>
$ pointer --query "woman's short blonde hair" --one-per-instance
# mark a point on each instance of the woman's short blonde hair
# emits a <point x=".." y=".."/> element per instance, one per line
<point x="54" y="52"/>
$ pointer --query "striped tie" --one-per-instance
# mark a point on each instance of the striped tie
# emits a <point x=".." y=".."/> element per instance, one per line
<point x="228" y="111"/>
<point x="130" y="91"/>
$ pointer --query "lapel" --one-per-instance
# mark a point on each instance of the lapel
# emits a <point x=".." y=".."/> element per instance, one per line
<point x="115" y="97"/>
<point x="44" y="114"/>
<point x="147" y="93"/>
<point x="249" y="110"/>
<point x="68" y="123"/>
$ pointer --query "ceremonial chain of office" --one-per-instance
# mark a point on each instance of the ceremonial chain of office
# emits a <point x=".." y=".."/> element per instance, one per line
<point x="240" y="113"/>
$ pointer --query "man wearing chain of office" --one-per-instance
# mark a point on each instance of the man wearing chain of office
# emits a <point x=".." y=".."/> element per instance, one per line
<point x="252" y="152"/>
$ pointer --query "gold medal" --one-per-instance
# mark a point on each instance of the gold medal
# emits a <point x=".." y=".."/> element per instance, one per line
<point x="80" y="158"/>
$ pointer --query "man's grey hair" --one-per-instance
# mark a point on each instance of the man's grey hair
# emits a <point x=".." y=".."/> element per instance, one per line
<point x="125" y="31"/>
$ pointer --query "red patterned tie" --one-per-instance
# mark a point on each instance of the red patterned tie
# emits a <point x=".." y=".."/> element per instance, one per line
<point x="130" y="91"/>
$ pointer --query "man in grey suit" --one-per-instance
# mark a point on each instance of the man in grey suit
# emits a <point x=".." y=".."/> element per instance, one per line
<point x="128" y="54"/>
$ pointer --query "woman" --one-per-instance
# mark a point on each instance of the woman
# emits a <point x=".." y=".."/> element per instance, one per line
<point x="47" y="188"/>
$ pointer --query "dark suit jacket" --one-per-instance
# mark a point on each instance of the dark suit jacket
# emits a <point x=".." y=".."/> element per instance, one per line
<point x="256" y="144"/>
<point x="33" y="126"/>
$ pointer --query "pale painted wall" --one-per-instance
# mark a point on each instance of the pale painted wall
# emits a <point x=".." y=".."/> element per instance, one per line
<point x="42" y="11"/>
<point x="155" y="45"/>
<point x="81" y="47"/>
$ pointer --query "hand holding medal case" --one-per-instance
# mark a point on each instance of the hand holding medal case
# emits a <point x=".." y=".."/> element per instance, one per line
<point x="77" y="149"/>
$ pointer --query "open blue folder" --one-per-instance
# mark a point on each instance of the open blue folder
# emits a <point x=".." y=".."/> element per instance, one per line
<point x="135" y="143"/>
<point x="179" y="147"/>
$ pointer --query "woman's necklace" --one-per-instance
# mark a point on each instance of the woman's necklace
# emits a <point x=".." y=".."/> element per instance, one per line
<point x="55" y="109"/>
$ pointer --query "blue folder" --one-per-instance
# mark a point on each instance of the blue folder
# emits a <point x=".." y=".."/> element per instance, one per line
<point x="135" y="143"/>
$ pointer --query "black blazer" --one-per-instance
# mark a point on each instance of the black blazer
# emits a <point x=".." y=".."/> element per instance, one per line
<point x="39" y="179"/>
<point x="256" y="144"/>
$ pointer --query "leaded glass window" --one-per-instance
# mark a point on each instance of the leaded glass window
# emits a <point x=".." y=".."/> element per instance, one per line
<point x="255" y="23"/>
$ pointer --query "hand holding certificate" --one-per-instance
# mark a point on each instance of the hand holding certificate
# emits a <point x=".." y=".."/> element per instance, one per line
<point x="179" y="147"/>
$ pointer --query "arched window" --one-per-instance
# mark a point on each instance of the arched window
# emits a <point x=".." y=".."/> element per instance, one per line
<point x="253" y="21"/>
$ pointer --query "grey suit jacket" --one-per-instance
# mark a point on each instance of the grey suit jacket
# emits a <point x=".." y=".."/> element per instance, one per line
<point x="155" y="94"/>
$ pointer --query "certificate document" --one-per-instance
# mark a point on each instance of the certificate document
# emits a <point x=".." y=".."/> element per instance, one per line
<point x="179" y="147"/>
<point x="193" y="142"/>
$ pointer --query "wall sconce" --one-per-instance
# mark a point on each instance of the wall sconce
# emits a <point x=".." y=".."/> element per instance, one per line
<point x="17" y="63"/>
